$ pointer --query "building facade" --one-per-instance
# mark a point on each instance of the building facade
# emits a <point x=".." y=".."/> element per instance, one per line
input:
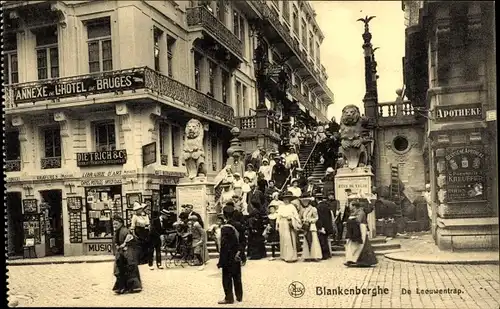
<point x="98" y="95"/>
<point x="450" y="74"/>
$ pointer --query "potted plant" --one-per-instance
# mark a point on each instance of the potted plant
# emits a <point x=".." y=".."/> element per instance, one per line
<point x="390" y="227"/>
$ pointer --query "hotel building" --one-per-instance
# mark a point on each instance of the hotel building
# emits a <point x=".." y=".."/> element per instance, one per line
<point x="98" y="94"/>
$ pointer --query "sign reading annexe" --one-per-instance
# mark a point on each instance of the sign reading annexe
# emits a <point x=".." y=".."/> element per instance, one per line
<point x="112" y="157"/>
<point x="66" y="87"/>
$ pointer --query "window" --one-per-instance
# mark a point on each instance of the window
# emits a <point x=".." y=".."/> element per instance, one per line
<point x="239" y="104"/>
<point x="286" y="11"/>
<point x="10" y="59"/>
<point x="244" y="98"/>
<point x="102" y="203"/>
<point x="295" y="20"/>
<point x="317" y="53"/>
<point x="225" y="86"/>
<point x="304" y="33"/>
<point x="105" y="139"/>
<point x="12" y="146"/>
<point x="220" y="11"/>
<point x="47" y="53"/>
<point x="52" y="142"/>
<point x="212" y="70"/>
<point x="170" y="55"/>
<point x="99" y="44"/>
<point x="197" y="71"/>
<point x="400" y="143"/>
<point x="215" y="153"/>
<point x="164" y="143"/>
<point x="239" y="26"/>
<point x="157" y="34"/>
<point x="176" y="144"/>
<point x="311" y="44"/>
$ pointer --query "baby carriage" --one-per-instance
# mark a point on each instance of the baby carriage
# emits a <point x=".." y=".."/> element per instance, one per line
<point x="178" y="248"/>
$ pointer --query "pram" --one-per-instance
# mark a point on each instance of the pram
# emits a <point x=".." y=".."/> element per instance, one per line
<point x="178" y="246"/>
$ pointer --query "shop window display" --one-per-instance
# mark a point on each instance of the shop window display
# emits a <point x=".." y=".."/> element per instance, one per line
<point x="102" y="204"/>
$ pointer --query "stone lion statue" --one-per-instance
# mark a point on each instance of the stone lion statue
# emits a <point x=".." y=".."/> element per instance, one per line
<point x="194" y="153"/>
<point x="352" y="148"/>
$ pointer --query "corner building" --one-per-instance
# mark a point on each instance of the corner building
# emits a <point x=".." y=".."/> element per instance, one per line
<point x="450" y="75"/>
<point x="97" y="97"/>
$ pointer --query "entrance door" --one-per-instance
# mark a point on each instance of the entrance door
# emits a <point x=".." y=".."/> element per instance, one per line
<point x="15" y="224"/>
<point x="54" y="234"/>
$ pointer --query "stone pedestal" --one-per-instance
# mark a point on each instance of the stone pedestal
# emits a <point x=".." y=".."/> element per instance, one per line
<point x="199" y="193"/>
<point x="359" y="180"/>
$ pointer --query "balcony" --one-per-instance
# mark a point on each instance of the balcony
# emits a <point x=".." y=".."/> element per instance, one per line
<point x="259" y="124"/>
<point x="12" y="166"/>
<point x="201" y="17"/>
<point x="84" y="89"/>
<point x="52" y="162"/>
<point x="397" y="113"/>
<point x="273" y="18"/>
<point x="295" y="92"/>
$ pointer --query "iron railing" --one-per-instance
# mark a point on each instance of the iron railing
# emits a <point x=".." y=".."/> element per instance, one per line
<point x="12" y="165"/>
<point x="50" y="162"/>
<point x="143" y="78"/>
<point x="200" y="16"/>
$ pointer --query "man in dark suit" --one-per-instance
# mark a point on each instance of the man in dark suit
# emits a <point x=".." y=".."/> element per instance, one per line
<point x="324" y="225"/>
<point x="229" y="258"/>
<point x="188" y="208"/>
<point x="155" y="237"/>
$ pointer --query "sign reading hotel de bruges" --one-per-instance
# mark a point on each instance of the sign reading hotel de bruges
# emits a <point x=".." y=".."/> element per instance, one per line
<point x="65" y="87"/>
<point x="111" y="157"/>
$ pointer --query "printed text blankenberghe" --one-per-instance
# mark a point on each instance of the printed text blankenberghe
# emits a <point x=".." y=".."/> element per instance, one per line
<point x="378" y="290"/>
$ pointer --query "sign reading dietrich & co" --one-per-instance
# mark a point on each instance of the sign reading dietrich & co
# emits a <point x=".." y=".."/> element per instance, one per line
<point x="111" y="157"/>
<point x="465" y="174"/>
<point x="459" y="112"/>
<point x="74" y="86"/>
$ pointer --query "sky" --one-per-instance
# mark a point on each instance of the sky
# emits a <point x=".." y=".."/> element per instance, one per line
<point x="342" y="54"/>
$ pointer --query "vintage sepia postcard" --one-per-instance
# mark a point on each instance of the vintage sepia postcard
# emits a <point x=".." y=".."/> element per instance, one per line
<point x="264" y="154"/>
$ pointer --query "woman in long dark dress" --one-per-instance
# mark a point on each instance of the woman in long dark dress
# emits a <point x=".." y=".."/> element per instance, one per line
<point x="256" y="241"/>
<point x="358" y="251"/>
<point x="140" y="229"/>
<point x="272" y="235"/>
<point x="126" y="270"/>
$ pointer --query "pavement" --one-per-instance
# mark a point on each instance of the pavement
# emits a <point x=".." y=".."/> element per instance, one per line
<point x="266" y="284"/>
<point x="420" y="248"/>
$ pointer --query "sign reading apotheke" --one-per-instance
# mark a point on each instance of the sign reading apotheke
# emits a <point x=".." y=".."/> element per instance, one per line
<point x="459" y="112"/>
<point x="65" y="87"/>
<point x="111" y="157"/>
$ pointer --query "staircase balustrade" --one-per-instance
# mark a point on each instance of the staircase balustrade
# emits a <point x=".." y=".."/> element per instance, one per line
<point x="308" y="166"/>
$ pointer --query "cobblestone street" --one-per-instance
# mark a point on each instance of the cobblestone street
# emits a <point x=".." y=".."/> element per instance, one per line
<point x="265" y="285"/>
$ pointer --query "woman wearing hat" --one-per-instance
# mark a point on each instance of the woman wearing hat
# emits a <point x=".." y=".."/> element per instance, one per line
<point x="226" y="196"/>
<point x="288" y="223"/>
<point x="250" y="173"/>
<point x="311" y="249"/>
<point x="294" y="189"/>
<point x="271" y="233"/>
<point x="237" y="184"/>
<point x="256" y="240"/>
<point x="140" y="229"/>
<point x="328" y="181"/>
<point x="358" y="251"/>
<point x="265" y="169"/>
<point x="200" y="249"/>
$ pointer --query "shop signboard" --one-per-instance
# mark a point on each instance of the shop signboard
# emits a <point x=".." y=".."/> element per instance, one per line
<point x="79" y="86"/>
<point x="30" y="206"/>
<point x="148" y="154"/>
<point x="459" y="112"/>
<point x="99" y="248"/>
<point x="98" y="158"/>
<point x="465" y="174"/>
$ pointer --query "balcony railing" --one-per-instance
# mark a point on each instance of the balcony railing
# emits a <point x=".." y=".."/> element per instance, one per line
<point x="250" y="122"/>
<point x="295" y="92"/>
<point x="201" y="17"/>
<point x="116" y="82"/>
<point x="284" y="32"/>
<point x="13" y="165"/>
<point x="395" y="109"/>
<point x="52" y="162"/>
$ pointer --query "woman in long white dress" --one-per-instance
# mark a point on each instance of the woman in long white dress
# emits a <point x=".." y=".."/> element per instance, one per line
<point x="288" y="223"/>
<point x="265" y="169"/>
<point x="311" y="250"/>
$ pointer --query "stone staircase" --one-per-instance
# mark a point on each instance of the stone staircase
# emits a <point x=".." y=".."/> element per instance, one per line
<point x="304" y="153"/>
<point x="379" y="244"/>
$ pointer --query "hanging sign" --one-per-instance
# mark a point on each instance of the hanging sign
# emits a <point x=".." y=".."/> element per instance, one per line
<point x="111" y="157"/>
<point x="459" y="112"/>
<point x="148" y="154"/>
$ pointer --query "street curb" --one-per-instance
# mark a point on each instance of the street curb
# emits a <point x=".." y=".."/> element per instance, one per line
<point x="448" y="262"/>
<point x="56" y="262"/>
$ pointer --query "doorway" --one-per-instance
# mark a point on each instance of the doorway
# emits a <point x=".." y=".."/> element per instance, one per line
<point x="15" y="224"/>
<point x="53" y="215"/>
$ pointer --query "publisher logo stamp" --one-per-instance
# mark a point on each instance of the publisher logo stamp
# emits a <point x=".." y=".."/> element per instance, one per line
<point x="296" y="289"/>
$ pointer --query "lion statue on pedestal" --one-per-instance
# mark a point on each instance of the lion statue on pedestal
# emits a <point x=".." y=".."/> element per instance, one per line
<point x="352" y="148"/>
<point x="194" y="153"/>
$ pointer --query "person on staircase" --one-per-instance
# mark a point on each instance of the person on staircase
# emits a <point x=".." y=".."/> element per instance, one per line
<point x="292" y="161"/>
<point x="279" y="173"/>
<point x="250" y="173"/>
<point x="294" y="188"/>
<point x="265" y="169"/>
<point x="329" y="181"/>
<point x="256" y="239"/>
<point x="294" y="140"/>
<point x="301" y="178"/>
<point x="270" y="190"/>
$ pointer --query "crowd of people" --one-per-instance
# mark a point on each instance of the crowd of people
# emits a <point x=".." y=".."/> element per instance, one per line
<point x="270" y="203"/>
